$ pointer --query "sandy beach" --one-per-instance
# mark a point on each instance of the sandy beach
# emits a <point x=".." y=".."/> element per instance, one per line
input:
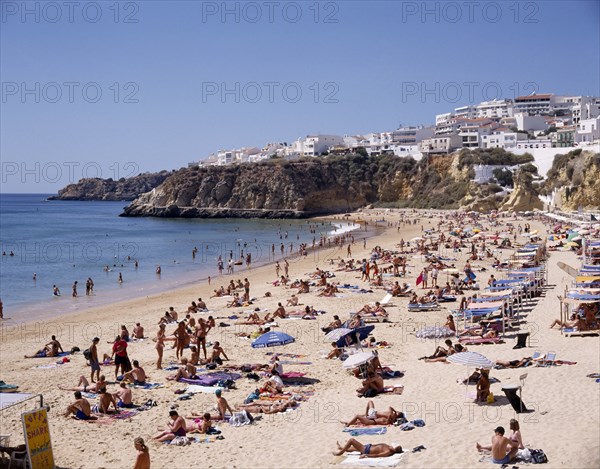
<point x="565" y="422"/>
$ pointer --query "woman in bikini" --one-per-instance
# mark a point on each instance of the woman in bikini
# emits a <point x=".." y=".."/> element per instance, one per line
<point x="160" y="345"/>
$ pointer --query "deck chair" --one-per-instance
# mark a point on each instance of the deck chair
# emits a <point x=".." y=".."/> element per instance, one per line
<point x="386" y="299"/>
<point x="549" y="360"/>
<point x="537" y="355"/>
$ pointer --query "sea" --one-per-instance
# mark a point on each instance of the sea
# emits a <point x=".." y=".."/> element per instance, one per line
<point x="55" y="243"/>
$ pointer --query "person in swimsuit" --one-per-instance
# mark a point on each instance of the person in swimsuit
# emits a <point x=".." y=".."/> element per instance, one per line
<point x="368" y="450"/>
<point x="137" y="375"/>
<point x="81" y="408"/>
<point x="124" y="396"/>
<point x="84" y="385"/>
<point x="373" y="417"/>
<point x="503" y="450"/>
<point x="515" y="436"/>
<point x="177" y="428"/>
<point x="160" y="345"/>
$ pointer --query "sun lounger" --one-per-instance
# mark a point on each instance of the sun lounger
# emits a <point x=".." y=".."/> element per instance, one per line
<point x="386" y="299"/>
<point x="424" y="307"/>
<point x="374" y="317"/>
<point x="549" y="360"/>
<point x="570" y="332"/>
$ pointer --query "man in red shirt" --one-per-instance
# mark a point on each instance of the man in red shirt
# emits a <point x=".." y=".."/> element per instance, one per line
<point x="119" y="351"/>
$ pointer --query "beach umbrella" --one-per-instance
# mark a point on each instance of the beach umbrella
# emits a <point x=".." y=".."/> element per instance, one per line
<point x="336" y="334"/>
<point x="358" y="359"/>
<point x="354" y="335"/>
<point x="273" y="339"/>
<point x="470" y="359"/>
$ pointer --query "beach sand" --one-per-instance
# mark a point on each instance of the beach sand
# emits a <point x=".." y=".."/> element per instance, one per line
<point x="565" y="422"/>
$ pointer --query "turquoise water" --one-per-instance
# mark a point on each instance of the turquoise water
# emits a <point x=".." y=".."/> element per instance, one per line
<point x="64" y="241"/>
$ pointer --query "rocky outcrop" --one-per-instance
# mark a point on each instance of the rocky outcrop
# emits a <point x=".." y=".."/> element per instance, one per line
<point x="522" y="199"/>
<point x="316" y="186"/>
<point x="108" y="189"/>
<point x="574" y="180"/>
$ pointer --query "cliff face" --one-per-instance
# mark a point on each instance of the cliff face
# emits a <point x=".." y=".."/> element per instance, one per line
<point x="108" y="189"/>
<point x="283" y="189"/>
<point x="574" y="178"/>
<point x="279" y="189"/>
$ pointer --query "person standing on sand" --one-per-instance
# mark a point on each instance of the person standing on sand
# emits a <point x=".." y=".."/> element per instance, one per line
<point x="160" y="345"/>
<point x="75" y="289"/>
<point x="142" y="460"/>
<point x="94" y="362"/>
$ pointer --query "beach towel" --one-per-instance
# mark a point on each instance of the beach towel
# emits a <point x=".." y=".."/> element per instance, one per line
<point x="210" y="379"/>
<point x="353" y="459"/>
<point x="396" y="389"/>
<point x="366" y="431"/>
<point x="292" y="374"/>
<point x="194" y="389"/>
<point x="146" y="386"/>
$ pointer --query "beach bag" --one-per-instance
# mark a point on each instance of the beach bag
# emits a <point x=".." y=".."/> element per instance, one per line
<point x="524" y="455"/>
<point x="87" y="354"/>
<point x="538" y="456"/>
<point x="226" y="383"/>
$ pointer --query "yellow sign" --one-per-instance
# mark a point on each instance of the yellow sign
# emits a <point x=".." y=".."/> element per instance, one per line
<point x="37" y="439"/>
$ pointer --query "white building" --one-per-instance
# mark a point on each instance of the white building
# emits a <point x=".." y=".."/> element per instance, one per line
<point x="530" y="122"/>
<point x="441" y="119"/>
<point x="471" y="131"/>
<point x="502" y="139"/>
<point x="534" y="144"/>
<point x="440" y="144"/>
<point x="495" y="109"/>
<point x="411" y="135"/>
<point x="315" y="145"/>
<point x="485" y="172"/>
<point x="534" y="104"/>
<point x="466" y="112"/>
<point x="588" y="131"/>
<point x="587" y="108"/>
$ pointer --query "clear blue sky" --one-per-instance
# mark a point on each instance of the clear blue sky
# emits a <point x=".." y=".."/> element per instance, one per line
<point x="368" y="65"/>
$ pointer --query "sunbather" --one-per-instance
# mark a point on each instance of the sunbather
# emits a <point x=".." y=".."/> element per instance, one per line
<point x="373" y="417"/>
<point x="483" y="386"/>
<point x="177" y="427"/>
<point x="371" y="386"/>
<point x="368" y="450"/>
<point x="273" y="407"/>
<point x="85" y="386"/>
<point x="503" y="449"/>
<point x="81" y="408"/>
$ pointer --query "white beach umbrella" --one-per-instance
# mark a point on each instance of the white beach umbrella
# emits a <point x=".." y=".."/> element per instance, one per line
<point x="358" y="359"/>
<point x="470" y="359"/>
<point x="336" y="334"/>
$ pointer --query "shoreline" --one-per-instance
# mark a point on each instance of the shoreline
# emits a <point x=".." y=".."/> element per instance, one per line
<point x="144" y="283"/>
<point x="181" y="283"/>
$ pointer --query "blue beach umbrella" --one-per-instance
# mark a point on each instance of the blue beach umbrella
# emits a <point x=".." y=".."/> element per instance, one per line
<point x="273" y="339"/>
<point x="354" y="336"/>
